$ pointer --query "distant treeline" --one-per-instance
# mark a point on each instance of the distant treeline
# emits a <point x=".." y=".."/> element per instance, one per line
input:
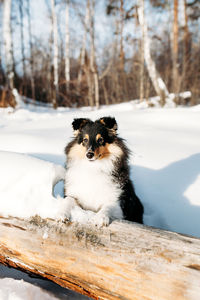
<point x="143" y="57"/>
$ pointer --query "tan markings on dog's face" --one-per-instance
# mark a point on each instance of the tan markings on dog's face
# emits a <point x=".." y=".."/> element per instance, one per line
<point x="107" y="150"/>
<point x="86" y="137"/>
<point x="98" y="136"/>
<point x="78" y="151"/>
<point x="99" y="139"/>
<point x="102" y="121"/>
<point x="102" y="152"/>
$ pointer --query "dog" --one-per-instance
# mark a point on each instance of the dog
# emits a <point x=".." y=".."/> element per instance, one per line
<point x="97" y="173"/>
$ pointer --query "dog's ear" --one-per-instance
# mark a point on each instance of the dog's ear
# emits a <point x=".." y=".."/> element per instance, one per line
<point x="78" y="124"/>
<point x="109" y="123"/>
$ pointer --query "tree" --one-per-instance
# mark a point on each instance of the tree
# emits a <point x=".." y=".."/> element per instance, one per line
<point x="93" y="66"/>
<point x="122" y="13"/>
<point x="21" y="10"/>
<point x="67" y="57"/>
<point x="83" y="48"/>
<point x="175" y="48"/>
<point x="116" y="7"/>
<point x="157" y="81"/>
<point x="55" y="54"/>
<point x="142" y="68"/>
<point x="8" y="51"/>
<point x="186" y="36"/>
<point x="31" y="51"/>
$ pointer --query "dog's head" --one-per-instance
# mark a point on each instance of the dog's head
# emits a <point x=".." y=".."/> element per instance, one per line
<point x="96" y="137"/>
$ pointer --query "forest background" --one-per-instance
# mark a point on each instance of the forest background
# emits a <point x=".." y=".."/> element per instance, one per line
<point x="89" y="53"/>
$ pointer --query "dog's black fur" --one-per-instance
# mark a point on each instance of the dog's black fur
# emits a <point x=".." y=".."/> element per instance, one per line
<point x="130" y="204"/>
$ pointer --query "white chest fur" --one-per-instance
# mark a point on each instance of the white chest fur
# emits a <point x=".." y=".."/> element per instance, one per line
<point x="91" y="183"/>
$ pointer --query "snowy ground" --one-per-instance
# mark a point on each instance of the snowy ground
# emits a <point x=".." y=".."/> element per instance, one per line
<point x="165" y="165"/>
<point x="15" y="285"/>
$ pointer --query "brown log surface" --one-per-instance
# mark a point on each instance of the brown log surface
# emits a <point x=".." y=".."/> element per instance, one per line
<point x="122" y="261"/>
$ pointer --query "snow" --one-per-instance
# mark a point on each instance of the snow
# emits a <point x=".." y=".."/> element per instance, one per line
<point x="165" y="161"/>
<point x="11" y="289"/>
<point x="26" y="187"/>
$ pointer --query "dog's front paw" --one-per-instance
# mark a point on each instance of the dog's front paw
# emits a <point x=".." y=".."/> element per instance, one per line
<point x="64" y="209"/>
<point x="100" y="220"/>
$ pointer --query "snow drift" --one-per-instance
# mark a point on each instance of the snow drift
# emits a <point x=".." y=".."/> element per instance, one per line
<point x="26" y="187"/>
<point x="11" y="289"/>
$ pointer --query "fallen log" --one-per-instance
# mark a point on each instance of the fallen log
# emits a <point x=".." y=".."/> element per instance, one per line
<point x="122" y="261"/>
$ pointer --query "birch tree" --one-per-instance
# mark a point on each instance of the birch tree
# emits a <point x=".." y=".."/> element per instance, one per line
<point x="31" y="51"/>
<point x="121" y="35"/>
<point x="55" y="53"/>
<point x="186" y="32"/>
<point x="142" y="68"/>
<point x="83" y="48"/>
<point x="93" y="66"/>
<point x="175" y="48"/>
<point x="185" y="40"/>
<point x="157" y="81"/>
<point x="21" y="11"/>
<point x="67" y="57"/>
<point x="8" y="43"/>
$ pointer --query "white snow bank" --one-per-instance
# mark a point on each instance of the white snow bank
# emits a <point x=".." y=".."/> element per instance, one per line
<point x="27" y="185"/>
<point x="11" y="289"/>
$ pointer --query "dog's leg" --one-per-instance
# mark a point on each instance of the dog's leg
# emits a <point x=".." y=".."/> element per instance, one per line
<point x="74" y="212"/>
<point x="70" y="203"/>
<point x="80" y="215"/>
<point x="107" y="214"/>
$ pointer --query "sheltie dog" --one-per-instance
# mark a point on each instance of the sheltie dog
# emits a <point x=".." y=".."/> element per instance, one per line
<point x="97" y="173"/>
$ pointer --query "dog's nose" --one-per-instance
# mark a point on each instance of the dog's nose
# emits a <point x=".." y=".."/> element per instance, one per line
<point x="90" y="155"/>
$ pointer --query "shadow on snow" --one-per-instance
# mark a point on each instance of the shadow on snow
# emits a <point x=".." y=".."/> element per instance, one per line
<point x="162" y="194"/>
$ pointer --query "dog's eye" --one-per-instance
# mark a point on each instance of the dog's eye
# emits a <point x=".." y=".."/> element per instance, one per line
<point x="100" y="141"/>
<point x="85" y="140"/>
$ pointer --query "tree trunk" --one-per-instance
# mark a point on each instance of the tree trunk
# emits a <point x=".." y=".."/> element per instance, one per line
<point x="55" y="54"/>
<point x="8" y="44"/>
<point x="67" y="57"/>
<point x="90" y="86"/>
<point x="83" y="49"/>
<point x="31" y="52"/>
<point x="142" y="69"/>
<point x="123" y="261"/>
<point x="186" y="43"/>
<point x="175" y="49"/>
<point x="93" y="66"/>
<point x="121" y="35"/>
<point x="157" y="81"/>
<point x="0" y="62"/>
<point x="22" y="40"/>
<point x="105" y="92"/>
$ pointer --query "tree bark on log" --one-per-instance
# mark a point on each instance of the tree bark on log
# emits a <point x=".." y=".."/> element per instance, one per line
<point x="122" y="261"/>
